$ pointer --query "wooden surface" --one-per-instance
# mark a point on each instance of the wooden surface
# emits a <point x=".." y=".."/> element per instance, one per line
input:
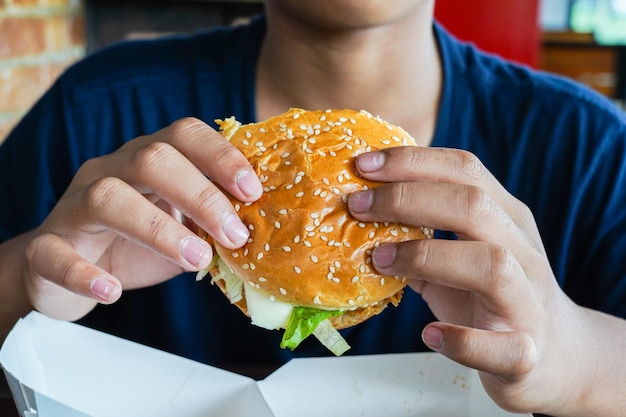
<point x="577" y="56"/>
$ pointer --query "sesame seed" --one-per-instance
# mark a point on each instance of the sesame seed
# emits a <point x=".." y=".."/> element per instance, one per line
<point x="314" y="258"/>
<point x="235" y="255"/>
<point x="286" y="248"/>
<point x="317" y="192"/>
<point x="332" y="269"/>
<point x="262" y="130"/>
<point x="272" y="298"/>
<point x="337" y="244"/>
<point x="298" y="179"/>
<point x="248" y="204"/>
<point x="245" y="266"/>
<point x="351" y="302"/>
<point x="317" y="222"/>
<point x="277" y="225"/>
<point x="337" y="280"/>
<point x="314" y="215"/>
<point x="323" y="194"/>
<point x="347" y="244"/>
<point x="251" y="226"/>
<point x="309" y="228"/>
<point x="361" y="225"/>
<point x="405" y="229"/>
<point x="282" y="291"/>
<point x="262" y="213"/>
<point x="296" y="239"/>
<point x="289" y="187"/>
<point x="262" y="279"/>
<point x="285" y="155"/>
<point x="245" y="252"/>
<point x="355" y="279"/>
<point x="296" y="116"/>
<point x="267" y="247"/>
<point x="248" y="134"/>
<point x="337" y="264"/>
<point x="287" y="163"/>
<point x="299" y="194"/>
<point x="252" y="266"/>
<point x="245" y="142"/>
<point x="259" y="256"/>
<point x="310" y="234"/>
<point x="307" y="244"/>
<point x="382" y="281"/>
<point x="371" y="235"/>
<point x="386" y="142"/>
<point x="237" y="207"/>
<point x="317" y="300"/>
<point x="394" y="232"/>
<point x="282" y="211"/>
<point x="324" y="238"/>
<point x="258" y="144"/>
<point x="329" y="275"/>
<point x="298" y="270"/>
<point x="325" y="180"/>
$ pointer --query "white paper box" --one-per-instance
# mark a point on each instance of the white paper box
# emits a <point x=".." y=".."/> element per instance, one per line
<point x="56" y="368"/>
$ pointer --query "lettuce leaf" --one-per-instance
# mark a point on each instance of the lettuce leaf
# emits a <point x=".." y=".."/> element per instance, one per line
<point x="302" y="323"/>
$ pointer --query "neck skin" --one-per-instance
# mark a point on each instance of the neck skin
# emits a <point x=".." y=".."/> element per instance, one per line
<point x="391" y="69"/>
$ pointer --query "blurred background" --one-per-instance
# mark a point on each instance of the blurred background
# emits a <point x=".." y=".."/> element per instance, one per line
<point x="581" y="39"/>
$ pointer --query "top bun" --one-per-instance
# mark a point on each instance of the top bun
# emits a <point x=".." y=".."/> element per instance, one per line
<point x="305" y="248"/>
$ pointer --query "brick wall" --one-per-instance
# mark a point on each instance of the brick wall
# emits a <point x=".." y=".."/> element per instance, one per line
<point x="38" y="40"/>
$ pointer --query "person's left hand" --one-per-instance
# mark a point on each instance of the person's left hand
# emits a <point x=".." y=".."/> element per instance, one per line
<point x="493" y="290"/>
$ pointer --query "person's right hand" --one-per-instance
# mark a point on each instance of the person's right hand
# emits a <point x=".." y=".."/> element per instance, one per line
<point x="120" y="223"/>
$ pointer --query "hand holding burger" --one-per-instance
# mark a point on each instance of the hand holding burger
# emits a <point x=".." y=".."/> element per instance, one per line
<point x="307" y="266"/>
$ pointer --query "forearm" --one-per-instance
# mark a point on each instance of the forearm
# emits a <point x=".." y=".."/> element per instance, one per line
<point x="13" y="300"/>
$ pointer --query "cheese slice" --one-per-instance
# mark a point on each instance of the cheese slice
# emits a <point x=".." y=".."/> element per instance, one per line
<point x="264" y="312"/>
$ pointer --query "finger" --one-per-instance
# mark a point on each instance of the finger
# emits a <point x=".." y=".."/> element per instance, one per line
<point x="161" y="169"/>
<point x="489" y="271"/>
<point x="214" y="156"/>
<point x="53" y="259"/>
<point x="406" y="164"/>
<point x="464" y="209"/>
<point x="111" y="204"/>
<point x="509" y="355"/>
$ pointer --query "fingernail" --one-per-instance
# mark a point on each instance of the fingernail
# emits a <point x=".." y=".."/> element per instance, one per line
<point x="384" y="256"/>
<point x="249" y="184"/>
<point x="195" y="251"/>
<point x="361" y="201"/>
<point x="370" y="162"/>
<point x="102" y="288"/>
<point x="433" y="337"/>
<point x="235" y="230"/>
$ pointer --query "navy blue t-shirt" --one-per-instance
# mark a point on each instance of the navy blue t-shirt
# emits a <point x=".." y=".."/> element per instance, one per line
<point x="556" y="146"/>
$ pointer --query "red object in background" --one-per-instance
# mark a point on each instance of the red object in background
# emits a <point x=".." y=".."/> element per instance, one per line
<point x="509" y="28"/>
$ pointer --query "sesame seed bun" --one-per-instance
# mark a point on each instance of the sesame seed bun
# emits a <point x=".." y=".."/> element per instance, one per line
<point x="305" y="248"/>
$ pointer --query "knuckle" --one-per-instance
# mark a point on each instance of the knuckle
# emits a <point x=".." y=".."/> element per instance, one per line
<point x="499" y="267"/>
<point x="159" y="231"/>
<point x="525" y="357"/>
<point x="423" y="255"/>
<point x="100" y="194"/>
<point x="469" y="165"/>
<point x="185" y="126"/>
<point x="398" y="196"/>
<point x="226" y="155"/>
<point x="210" y="200"/>
<point x="476" y="204"/>
<point x="71" y="272"/>
<point x="414" y="157"/>
<point x="152" y="156"/>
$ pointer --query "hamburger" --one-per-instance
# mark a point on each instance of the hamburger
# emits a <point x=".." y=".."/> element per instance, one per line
<point x="307" y="266"/>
